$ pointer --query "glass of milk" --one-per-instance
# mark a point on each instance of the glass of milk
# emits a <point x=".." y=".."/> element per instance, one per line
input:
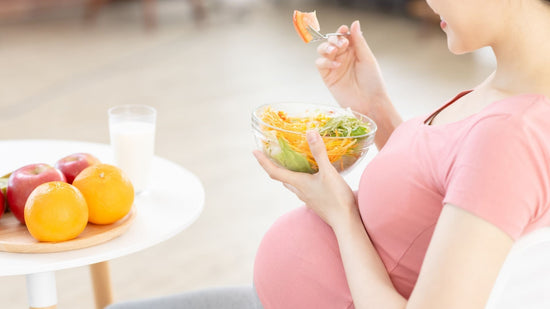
<point x="132" y="131"/>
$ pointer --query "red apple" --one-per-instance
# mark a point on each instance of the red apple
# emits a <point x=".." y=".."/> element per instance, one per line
<point x="3" y="187"/>
<point x="2" y="204"/>
<point x="24" y="180"/>
<point x="72" y="165"/>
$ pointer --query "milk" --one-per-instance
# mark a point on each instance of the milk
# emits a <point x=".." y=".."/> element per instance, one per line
<point x="133" y="145"/>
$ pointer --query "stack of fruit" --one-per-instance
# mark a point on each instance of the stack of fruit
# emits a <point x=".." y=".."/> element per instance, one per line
<point x="57" y="202"/>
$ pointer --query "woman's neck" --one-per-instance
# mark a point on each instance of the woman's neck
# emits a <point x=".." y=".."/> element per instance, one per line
<point x="522" y="52"/>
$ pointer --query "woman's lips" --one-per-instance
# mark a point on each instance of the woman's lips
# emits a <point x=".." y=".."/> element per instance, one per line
<point x="443" y="24"/>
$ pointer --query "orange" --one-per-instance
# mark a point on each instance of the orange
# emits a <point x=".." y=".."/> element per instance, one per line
<point x="108" y="192"/>
<point x="56" y="211"/>
<point x="303" y="19"/>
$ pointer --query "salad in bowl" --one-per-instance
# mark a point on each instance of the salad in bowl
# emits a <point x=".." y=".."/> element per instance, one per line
<point x="280" y="132"/>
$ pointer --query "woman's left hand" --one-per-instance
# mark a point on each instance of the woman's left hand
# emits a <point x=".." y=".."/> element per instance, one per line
<point x="325" y="192"/>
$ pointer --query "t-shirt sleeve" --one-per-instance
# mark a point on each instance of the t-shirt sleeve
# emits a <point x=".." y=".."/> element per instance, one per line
<point x="501" y="172"/>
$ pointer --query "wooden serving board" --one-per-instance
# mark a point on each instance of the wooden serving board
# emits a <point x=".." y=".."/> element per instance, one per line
<point x="14" y="236"/>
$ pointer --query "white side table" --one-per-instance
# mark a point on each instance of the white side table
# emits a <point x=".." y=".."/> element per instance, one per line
<point x="174" y="200"/>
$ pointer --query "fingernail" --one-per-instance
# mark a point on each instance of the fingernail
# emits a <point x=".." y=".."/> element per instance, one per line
<point x="336" y="64"/>
<point x="330" y="49"/>
<point x="356" y="28"/>
<point x="340" y="43"/>
<point x="311" y="136"/>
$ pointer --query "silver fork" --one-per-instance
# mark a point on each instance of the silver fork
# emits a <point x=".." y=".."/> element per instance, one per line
<point x="317" y="36"/>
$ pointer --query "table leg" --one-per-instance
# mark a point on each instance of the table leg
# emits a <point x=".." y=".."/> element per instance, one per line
<point x="41" y="290"/>
<point x="101" y="280"/>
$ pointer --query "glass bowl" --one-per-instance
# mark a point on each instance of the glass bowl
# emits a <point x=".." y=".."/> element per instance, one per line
<point x="280" y="132"/>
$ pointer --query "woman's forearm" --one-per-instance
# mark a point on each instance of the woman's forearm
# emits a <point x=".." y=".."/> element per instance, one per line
<point x="387" y="119"/>
<point x="367" y="278"/>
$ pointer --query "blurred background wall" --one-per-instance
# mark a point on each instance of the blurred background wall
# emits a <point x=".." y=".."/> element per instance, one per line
<point x="19" y="10"/>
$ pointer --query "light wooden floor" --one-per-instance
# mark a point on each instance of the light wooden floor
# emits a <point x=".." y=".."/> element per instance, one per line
<point x="59" y="77"/>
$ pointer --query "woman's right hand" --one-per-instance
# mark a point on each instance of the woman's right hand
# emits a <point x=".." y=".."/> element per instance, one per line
<point x="351" y="72"/>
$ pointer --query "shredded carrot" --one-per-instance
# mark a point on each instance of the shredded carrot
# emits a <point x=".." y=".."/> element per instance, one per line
<point x="336" y="147"/>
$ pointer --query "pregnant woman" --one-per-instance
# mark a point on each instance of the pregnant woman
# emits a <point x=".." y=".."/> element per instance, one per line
<point x="440" y="206"/>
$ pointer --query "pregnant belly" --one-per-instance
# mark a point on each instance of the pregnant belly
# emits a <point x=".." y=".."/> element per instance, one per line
<point x="298" y="265"/>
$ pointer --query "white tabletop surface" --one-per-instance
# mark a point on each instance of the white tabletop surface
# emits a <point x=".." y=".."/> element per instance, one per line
<point x="174" y="200"/>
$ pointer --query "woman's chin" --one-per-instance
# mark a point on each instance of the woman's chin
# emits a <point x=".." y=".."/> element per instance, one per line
<point x="457" y="48"/>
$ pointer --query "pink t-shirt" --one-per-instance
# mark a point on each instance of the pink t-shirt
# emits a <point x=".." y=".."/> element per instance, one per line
<point x="494" y="164"/>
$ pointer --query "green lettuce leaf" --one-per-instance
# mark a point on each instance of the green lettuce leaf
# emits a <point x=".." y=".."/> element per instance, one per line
<point x="291" y="159"/>
<point x="345" y="125"/>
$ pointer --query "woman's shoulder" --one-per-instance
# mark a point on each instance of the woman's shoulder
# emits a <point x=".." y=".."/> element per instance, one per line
<point x="515" y="124"/>
<point x="524" y="110"/>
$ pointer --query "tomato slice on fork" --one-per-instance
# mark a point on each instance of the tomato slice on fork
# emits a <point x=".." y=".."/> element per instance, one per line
<point x="303" y="19"/>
